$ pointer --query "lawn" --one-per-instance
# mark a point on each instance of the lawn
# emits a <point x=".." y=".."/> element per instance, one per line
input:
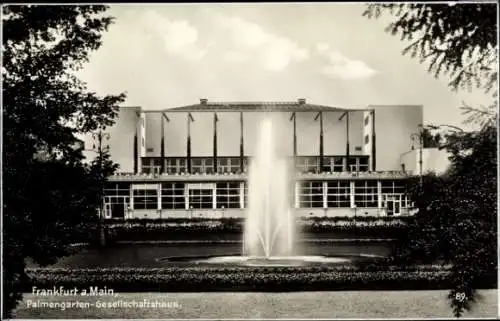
<point x="341" y="304"/>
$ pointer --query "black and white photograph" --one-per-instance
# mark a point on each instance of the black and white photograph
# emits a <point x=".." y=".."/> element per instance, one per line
<point x="239" y="160"/>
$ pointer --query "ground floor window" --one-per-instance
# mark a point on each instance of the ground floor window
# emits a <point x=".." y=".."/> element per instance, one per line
<point x="172" y="196"/>
<point x="145" y="196"/>
<point x="117" y="189"/>
<point x="200" y="195"/>
<point x="311" y="194"/>
<point x="116" y="206"/>
<point x="338" y="194"/>
<point x="366" y="193"/>
<point x="200" y="198"/>
<point x="228" y="195"/>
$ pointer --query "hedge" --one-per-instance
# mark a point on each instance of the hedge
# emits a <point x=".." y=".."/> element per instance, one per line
<point x="196" y="279"/>
<point x="196" y="232"/>
<point x="239" y="221"/>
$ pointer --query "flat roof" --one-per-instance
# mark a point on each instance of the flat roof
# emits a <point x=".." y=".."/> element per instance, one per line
<point x="267" y="106"/>
<point x="256" y="106"/>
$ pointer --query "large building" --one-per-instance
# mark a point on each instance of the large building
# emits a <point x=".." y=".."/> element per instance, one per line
<point x="192" y="161"/>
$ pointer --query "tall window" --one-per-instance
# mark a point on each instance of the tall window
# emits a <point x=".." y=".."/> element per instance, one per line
<point x="363" y="164"/>
<point x="176" y="165"/>
<point x="353" y="164"/>
<point x="145" y="196"/>
<point x="202" y="165"/>
<point x="366" y="193"/>
<point x="333" y="164"/>
<point x="311" y="194"/>
<point x="338" y="194"/>
<point x="228" y="165"/>
<point x="307" y="164"/>
<point x="358" y="163"/>
<point x="151" y="165"/>
<point x="172" y="196"/>
<point x="228" y="195"/>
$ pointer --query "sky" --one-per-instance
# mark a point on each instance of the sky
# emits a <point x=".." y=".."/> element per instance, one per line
<point x="171" y="55"/>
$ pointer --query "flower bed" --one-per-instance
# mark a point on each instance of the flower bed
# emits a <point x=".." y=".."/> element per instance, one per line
<point x="164" y="229"/>
<point x="196" y="279"/>
<point x="373" y="220"/>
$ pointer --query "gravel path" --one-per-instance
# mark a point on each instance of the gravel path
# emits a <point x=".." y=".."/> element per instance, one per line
<point x="342" y="304"/>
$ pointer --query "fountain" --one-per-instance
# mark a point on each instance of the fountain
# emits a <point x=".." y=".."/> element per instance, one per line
<point x="270" y="236"/>
<point x="269" y="227"/>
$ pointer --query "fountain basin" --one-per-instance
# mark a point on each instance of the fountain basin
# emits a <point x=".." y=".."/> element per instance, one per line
<point x="273" y="261"/>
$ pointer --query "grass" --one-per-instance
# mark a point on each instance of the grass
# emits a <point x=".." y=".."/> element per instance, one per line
<point x="342" y="304"/>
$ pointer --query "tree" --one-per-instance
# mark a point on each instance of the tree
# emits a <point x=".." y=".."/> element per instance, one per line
<point x="49" y="202"/>
<point x="458" y="41"/>
<point x="456" y="223"/>
<point x="430" y="140"/>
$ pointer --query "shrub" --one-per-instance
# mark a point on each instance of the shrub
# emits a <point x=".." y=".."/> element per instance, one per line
<point x="182" y="279"/>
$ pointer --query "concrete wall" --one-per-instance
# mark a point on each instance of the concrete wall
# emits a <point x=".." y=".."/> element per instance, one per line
<point x="175" y="135"/>
<point x="228" y="133"/>
<point x="394" y="126"/>
<point x="241" y="213"/>
<point x="153" y="134"/>
<point x="121" y="141"/>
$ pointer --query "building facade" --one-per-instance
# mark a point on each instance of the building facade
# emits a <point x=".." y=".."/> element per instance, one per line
<point x="193" y="161"/>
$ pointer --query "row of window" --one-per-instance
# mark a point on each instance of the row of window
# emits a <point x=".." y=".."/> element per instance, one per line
<point x="305" y="164"/>
<point x="311" y="194"/>
<point x="198" y="165"/>
<point x="311" y="164"/>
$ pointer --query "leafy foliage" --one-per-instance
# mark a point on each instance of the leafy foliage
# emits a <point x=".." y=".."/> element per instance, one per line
<point x="458" y="41"/>
<point x="49" y="201"/>
<point x="217" y="278"/>
<point x="430" y="140"/>
<point x="457" y="219"/>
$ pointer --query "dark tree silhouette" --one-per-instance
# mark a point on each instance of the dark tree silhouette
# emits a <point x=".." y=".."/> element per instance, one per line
<point x="457" y="219"/>
<point x="457" y="41"/>
<point x="50" y="197"/>
<point x="430" y="140"/>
